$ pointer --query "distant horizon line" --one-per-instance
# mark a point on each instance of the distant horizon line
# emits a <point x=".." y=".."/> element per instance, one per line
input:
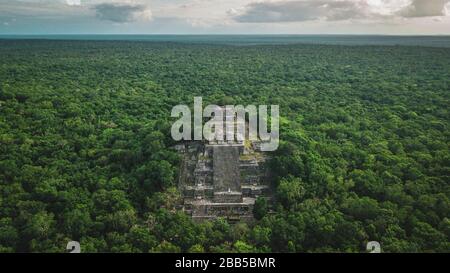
<point x="217" y="34"/>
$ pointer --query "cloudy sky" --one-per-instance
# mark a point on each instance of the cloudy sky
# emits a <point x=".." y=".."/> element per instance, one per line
<point x="225" y="16"/>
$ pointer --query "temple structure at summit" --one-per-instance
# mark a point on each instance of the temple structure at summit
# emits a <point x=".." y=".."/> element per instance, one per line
<point x="222" y="178"/>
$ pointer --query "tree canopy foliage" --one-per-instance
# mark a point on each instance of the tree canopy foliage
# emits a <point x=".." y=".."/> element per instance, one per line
<point x="85" y="146"/>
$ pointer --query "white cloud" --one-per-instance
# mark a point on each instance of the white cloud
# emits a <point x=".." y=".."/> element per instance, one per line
<point x="425" y="8"/>
<point x="298" y="11"/>
<point x="32" y="9"/>
<point x="73" y="2"/>
<point x="226" y="16"/>
<point x="122" y="13"/>
<point x="270" y="11"/>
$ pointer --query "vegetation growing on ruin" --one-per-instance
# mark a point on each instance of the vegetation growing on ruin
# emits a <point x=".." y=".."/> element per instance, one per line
<point x="85" y="137"/>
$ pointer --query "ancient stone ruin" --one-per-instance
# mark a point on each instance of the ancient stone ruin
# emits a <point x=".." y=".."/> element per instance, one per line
<point x="222" y="178"/>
